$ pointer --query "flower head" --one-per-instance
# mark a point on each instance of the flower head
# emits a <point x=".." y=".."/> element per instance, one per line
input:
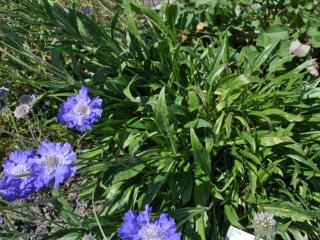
<point x="87" y="10"/>
<point x="56" y="162"/>
<point x="140" y="227"/>
<point x="21" y="111"/>
<point x="80" y="111"/>
<point x="3" y="92"/>
<point x="299" y="49"/>
<point x="18" y="174"/>
<point x="27" y="98"/>
<point x="314" y="69"/>
<point x="264" y="225"/>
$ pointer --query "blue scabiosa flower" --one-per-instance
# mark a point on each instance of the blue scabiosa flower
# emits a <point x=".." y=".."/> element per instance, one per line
<point x="56" y="162"/>
<point x="18" y="175"/>
<point x="80" y="111"/>
<point x="140" y="227"/>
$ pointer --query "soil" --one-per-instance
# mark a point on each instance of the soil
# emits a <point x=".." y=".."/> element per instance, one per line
<point x="41" y="217"/>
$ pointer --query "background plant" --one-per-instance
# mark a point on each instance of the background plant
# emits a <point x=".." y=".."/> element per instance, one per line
<point x="208" y="125"/>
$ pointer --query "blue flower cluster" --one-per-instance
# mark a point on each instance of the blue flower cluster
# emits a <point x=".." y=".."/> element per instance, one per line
<point x="80" y="111"/>
<point x="140" y="227"/>
<point x="26" y="172"/>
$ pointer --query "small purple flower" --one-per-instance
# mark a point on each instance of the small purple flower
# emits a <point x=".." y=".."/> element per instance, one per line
<point x="140" y="227"/>
<point x="80" y="111"/>
<point x="26" y="99"/>
<point x="3" y="92"/>
<point x="18" y="174"/>
<point x="56" y="163"/>
<point x="87" y="10"/>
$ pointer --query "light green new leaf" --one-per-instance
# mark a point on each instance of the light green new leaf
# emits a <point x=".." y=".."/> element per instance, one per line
<point x="271" y="141"/>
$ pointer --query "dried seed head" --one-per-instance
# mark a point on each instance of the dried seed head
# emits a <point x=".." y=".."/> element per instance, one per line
<point x="21" y="111"/>
<point x="88" y="237"/>
<point x="264" y="225"/>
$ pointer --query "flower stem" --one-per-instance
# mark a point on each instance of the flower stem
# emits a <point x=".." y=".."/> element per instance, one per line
<point x="15" y="128"/>
<point x="96" y="217"/>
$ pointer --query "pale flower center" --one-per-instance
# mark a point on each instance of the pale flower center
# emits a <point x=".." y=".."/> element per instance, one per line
<point x="151" y="232"/>
<point x="20" y="170"/>
<point x="52" y="162"/>
<point x="81" y="109"/>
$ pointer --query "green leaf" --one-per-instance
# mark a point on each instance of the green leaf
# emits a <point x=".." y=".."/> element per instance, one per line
<point x="307" y="162"/>
<point x="193" y="101"/>
<point x="292" y="211"/>
<point x="64" y="208"/>
<point x="277" y="32"/>
<point x="132" y="28"/>
<point x="201" y="226"/>
<point x="231" y="215"/>
<point x="198" y="123"/>
<point x="262" y="58"/>
<point x="277" y="112"/>
<point x="211" y="3"/>
<point x="200" y="155"/>
<point x="271" y="141"/>
<point x="129" y="173"/>
<point x="157" y="183"/>
<point x="218" y="125"/>
<point x="162" y="119"/>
